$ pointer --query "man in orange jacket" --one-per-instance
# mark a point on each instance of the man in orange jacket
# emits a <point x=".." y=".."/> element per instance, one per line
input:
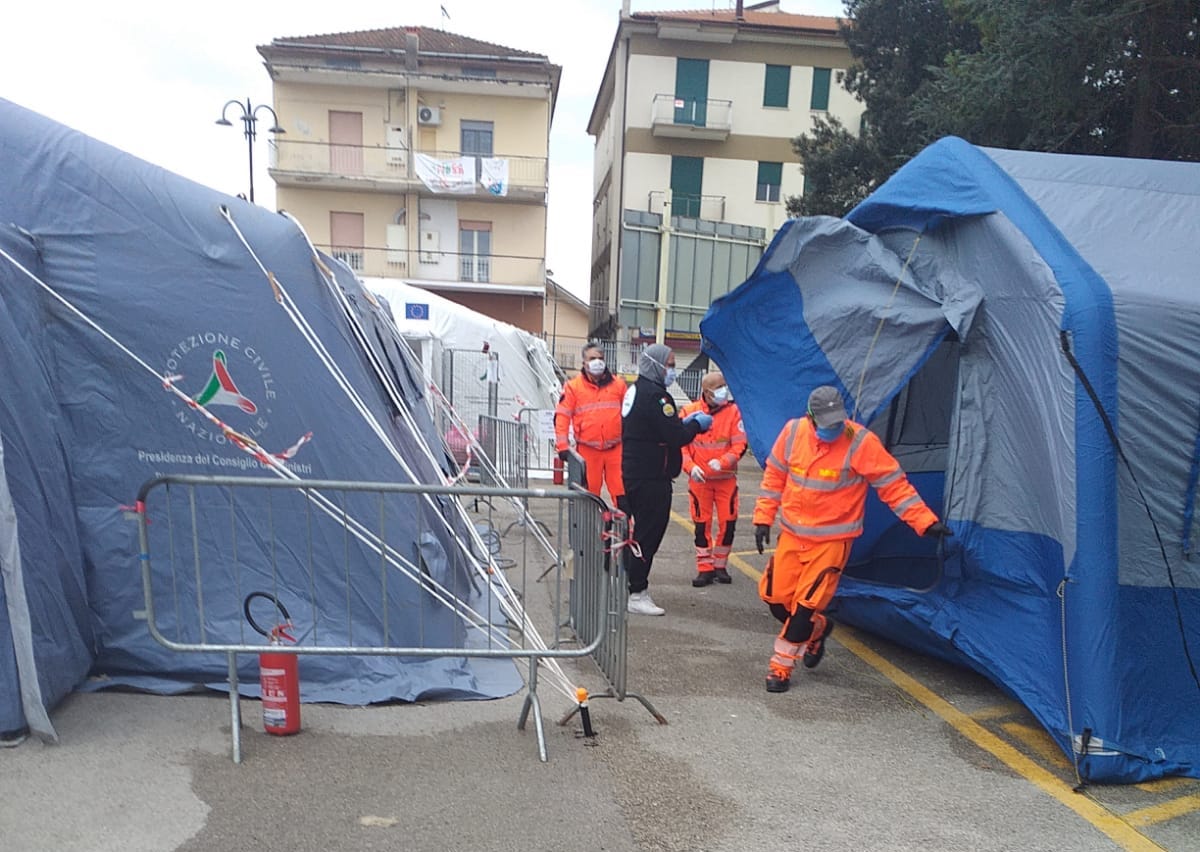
<point x="818" y="473"/>
<point x="710" y="462"/>
<point x="590" y="407"/>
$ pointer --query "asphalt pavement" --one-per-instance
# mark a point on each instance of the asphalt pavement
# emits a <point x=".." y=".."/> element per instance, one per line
<point x="878" y="748"/>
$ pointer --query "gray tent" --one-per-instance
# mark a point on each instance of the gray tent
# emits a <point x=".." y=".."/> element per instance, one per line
<point x="116" y="276"/>
<point x="1023" y="330"/>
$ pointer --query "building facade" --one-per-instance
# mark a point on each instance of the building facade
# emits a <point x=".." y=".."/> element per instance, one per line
<point x="693" y="125"/>
<point x="419" y="154"/>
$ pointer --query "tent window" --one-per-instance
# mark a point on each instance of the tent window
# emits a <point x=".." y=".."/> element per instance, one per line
<point x="915" y="427"/>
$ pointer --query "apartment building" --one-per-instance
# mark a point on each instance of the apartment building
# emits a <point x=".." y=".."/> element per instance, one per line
<point x="693" y="125"/>
<point x="419" y="154"/>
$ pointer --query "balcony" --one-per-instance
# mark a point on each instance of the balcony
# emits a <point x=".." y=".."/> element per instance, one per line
<point x="691" y="118"/>
<point x="444" y="266"/>
<point x="378" y="168"/>
<point x="710" y="207"/>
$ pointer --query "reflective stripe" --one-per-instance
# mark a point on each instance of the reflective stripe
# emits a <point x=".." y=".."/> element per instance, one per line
<point x="777" y="464"/>
<point x="593" y="406"/>
<point x="600" y="445"/>
<point x="887" y="478"/>
<point x="824" y="484"/>
<point x="791" y="439"/>
<point x="773" y="495"/>
<point x="907" y="504"/>
<point x="860" y="435"/>
<point x="831" y="531"/>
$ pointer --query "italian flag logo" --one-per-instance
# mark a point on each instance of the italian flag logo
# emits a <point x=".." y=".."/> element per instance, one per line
<point x="221" y="389"/>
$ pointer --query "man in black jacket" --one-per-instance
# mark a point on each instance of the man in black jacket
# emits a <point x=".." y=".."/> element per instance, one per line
<point x="652" y="434"/>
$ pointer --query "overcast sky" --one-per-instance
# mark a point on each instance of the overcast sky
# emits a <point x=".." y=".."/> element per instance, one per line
<point x="150" y="77"/>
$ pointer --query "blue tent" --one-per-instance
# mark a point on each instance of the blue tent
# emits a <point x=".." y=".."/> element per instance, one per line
<point x="1023" y="330"/>
<point x="114" y="275"/>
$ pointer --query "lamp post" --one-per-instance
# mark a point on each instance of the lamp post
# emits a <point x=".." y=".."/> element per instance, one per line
<point x="249" y="118"/>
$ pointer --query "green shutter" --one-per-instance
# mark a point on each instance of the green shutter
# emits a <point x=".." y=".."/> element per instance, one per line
<point x="691" y="91"/>
<point x="775" y="85"/>
<point x="687" y="177"/>
<point x="771" y="173"/>
<point x="820" y="92"/>
<point x="770" y="176"/>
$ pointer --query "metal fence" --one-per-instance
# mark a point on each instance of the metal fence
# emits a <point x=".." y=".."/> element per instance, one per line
<point x="598" y="601"/>
<point x="470" y="381"/>
<point x="207" y="541"/>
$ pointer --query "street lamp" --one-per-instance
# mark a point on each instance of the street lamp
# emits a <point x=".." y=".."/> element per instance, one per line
<point x="249" y="118"/>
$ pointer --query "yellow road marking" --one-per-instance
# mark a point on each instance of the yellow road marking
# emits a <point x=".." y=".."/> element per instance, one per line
<point x="1117" y="830"/>
<point x="1162" y="785"/>
<point x="1037" y="741"/>
<point x="1164" y="811"/>
<point x="997" y="711"/>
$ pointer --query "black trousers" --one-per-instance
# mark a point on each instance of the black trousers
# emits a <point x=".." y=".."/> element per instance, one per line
<point x="649" y="503"/>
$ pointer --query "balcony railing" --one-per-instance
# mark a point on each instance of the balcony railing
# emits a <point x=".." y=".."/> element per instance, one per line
<point x="381" y="262"/>
<point x="710" y="207"/>
<point x="691" y="118"/>
<point x="313" y="162"/>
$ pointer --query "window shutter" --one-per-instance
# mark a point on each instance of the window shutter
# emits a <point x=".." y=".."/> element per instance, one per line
<point x="820" y="89"/>
<point x="775" y="85"/>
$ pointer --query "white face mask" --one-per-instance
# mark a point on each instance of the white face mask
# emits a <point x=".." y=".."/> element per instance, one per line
<point x="721" y="395"/>
<point x="596" y="366"/>
<point x="669" y="378"/>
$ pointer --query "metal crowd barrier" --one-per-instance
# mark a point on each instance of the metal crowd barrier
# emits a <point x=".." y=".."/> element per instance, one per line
<point x="506" y="443"/>
<point x="598" y="599"/>
<point x="541" y="454"/>
<point x="320" y="546"/>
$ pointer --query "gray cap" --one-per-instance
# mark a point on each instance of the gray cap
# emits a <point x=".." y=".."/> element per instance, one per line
<point x="825" y="406"/>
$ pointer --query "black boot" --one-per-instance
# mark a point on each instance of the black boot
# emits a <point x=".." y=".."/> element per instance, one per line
<point x="814" y="651"/>
<point x="703" y="578"/>
<point x="722" y="576"/>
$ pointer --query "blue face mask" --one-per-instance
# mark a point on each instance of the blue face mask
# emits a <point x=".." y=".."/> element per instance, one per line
<point x="670" y="377"/>
<point x="829" y="434"/>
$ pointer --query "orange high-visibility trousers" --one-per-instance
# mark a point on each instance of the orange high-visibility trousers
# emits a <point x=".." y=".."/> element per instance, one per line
<point x="719" y="497"/>
<point x="804" y="573"/>
<point x="603" y="467"/>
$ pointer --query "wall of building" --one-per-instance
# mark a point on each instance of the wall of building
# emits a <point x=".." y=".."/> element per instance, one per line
<point x="525" y="312"/>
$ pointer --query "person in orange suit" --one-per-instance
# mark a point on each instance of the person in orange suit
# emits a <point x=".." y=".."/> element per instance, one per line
<point x="711" y="462"/>
<point x="817" y="477"/>
<point x="590" y="407"/>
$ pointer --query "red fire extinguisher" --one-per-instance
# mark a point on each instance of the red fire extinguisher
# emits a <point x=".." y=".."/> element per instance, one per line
<point x="278" y="674"/>
<point x="558" y="471"/>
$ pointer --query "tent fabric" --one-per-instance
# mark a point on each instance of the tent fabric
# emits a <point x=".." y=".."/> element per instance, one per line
<point x="168" y="287"/>
<point x="1024" y="331"/>
<point x="527" y="372"/>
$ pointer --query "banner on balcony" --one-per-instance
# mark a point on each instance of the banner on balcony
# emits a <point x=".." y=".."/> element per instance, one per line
<point x="493" y="175"/>
<point x="456" y="175"/>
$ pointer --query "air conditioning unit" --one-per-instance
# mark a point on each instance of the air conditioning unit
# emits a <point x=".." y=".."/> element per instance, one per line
<point x="429" y="115"/>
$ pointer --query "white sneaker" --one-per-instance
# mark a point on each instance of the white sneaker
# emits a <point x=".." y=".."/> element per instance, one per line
<point x="640" y="603"/>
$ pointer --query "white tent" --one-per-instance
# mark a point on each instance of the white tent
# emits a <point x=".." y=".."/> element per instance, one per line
<point x="454" y="344"/>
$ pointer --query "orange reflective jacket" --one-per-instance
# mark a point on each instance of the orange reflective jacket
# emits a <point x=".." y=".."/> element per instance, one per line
<point x="822" y="487"/>
<point x="592" y="410"/>
<point x="724" y="441"/>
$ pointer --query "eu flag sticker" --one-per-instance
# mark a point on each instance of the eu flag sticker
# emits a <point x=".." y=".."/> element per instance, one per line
<point x="416" y="310"/>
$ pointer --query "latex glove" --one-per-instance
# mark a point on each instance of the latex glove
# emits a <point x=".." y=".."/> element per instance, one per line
<point x="564" y="455"/>
<point x="696" y="473"/>
<point x="714" y="465"/>
<point x="704" y="419"/>
<point x="762" y="536"/>
<point x="939" y="529"/>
